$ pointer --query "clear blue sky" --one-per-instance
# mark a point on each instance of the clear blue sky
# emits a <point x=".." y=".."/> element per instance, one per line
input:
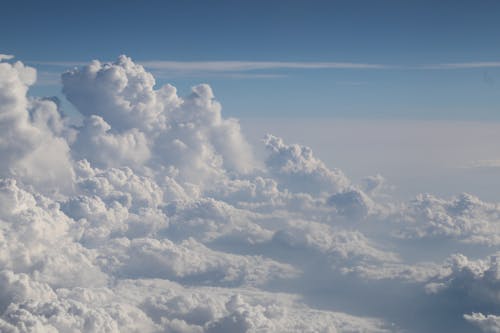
<point x="413" y="42"/>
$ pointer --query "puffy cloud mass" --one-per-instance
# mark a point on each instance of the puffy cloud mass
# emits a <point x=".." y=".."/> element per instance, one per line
<point x="138" y="125"/>
<point x="32" y="142"/>
<point x="489" y="323"/>
<point x="153" y="215"/>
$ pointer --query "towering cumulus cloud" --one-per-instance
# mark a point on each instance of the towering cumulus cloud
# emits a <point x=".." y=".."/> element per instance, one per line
<point x="32" y="143"/>
<point x="153" y="215"/>
<point x="143" y="127"/>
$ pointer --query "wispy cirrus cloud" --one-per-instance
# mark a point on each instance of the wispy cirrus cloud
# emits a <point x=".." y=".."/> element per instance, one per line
<point x="235" y="66"/>
<point x="6" y="56"/>
<point x="227" y="69"/>
<point x="226" y="66"/>
<point x="491" y="163"/>
<point x="462" y="65"/>
<point x="258" y="69"/>
<point x="244" y="66"/>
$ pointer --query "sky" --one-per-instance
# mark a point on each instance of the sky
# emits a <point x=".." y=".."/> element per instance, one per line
<point x="419" y="59"/>
<point x="249" y="167"/>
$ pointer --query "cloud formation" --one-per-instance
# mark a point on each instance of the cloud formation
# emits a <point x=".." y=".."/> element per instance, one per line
<point x="153" y="215"/>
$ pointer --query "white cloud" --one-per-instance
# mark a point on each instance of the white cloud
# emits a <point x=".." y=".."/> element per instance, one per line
<point x="241" y="69"/>
<point x="122" y="93"/>
<point x="488" y="323"/>
<point x="130" y="123"/>
<point x="104" y="148"/>
<point x="296" y="168"/>
<point x="153" y="215"/>
<point x="463" y="65"/>
<point x="470" y="280"/>
<point x="227" y="66"/>
<point x="465" y="218"/>
<point x="31" y="142"/>
<point x="239" y="66"/>
<point x="493" y="163"/>
<point x="6" y="57"/>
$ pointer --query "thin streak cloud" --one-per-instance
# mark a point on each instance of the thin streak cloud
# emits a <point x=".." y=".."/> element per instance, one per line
<point x="235" y="66"/>
<point x="244" y="66"/>
<point x="227" y="66"/>
<point x="463" y="65"/>
<point x="166" y="69"/>
<point x="6" y="56"/>
<point x="492" y="163"/>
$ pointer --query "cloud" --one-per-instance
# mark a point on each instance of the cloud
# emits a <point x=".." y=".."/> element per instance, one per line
<point x="471" y="280"/>
<point x="6" y="57"/>
<point x="463" y="65"/>
<point x="241" y="66"/>
<point x="465" y="218"/>
<point x="32" y="142"/>
<point x="488" y="323"/>
<point x="495" y="163"/>
<point x="235" y="69"/>
<point x="153" y="215"/>
<point x="125" y="116"/>
<point x="161" y="67"/>
<point x="96" y="142"/>
<point x="296" y="168"/>
<point x="239" y="69"/>
<point x="122" y="93"/>
<point x="227" y="66"/>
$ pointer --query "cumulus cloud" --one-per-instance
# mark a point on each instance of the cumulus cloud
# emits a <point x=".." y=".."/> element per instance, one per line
<point x="488" y="323"/>
<point x="296" y="168"/>
<point x="122" y="93"/>
<point x="31" y="142"/>
<point x="130" y="123"/>
<point x="153" y="215"/>
<point x="472" y="280"/>
<point x="465" y="218"/>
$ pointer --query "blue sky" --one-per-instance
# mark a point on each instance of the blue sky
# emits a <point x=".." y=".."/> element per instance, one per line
<point x="408" y="52"/>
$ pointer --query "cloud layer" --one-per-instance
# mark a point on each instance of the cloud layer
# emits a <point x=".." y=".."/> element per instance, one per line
<point x="153" y="215"/>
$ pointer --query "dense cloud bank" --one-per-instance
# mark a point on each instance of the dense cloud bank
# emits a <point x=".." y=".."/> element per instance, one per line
<point x="153" y="215"/>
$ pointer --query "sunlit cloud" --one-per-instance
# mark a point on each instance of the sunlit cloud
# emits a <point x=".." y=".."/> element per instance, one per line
<point x="156" y="204"/>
